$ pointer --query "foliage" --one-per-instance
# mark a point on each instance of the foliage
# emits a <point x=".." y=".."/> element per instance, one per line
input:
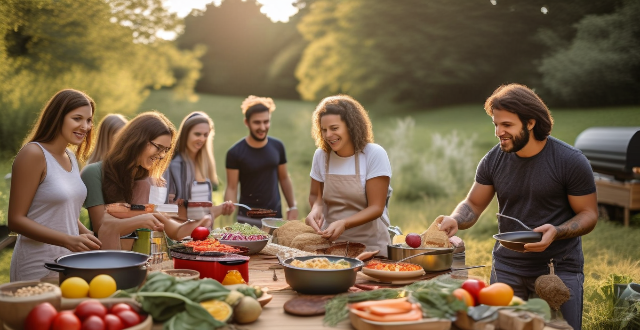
<point x="246" y="52"/>
<point x="425" y="52"/>
<point x="49" y="45"/>
<point x="601" y="65"/>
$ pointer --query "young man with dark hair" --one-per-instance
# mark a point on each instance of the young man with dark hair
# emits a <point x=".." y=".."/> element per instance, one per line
<point x="540" y="180"/>
<point x="258" y="163"/>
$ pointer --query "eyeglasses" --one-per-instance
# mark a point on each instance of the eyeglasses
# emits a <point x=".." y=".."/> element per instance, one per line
<point x="161" y="148"/>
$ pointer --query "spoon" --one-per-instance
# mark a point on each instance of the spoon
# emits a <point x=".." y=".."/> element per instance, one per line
<point x="242" y="205"/>
<point x="512" y="218"/>
<point x="415" y="255"/>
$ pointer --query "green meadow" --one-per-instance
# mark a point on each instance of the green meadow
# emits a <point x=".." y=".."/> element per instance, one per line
<point x="433" y="155"/>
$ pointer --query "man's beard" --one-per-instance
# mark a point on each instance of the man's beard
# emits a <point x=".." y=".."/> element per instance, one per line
<point x="519" y="141"/>
<point x="259" y="139"/>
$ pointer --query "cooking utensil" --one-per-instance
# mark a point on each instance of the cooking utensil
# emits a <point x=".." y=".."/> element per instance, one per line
<point x="128" y="269"/>
<point x="321" y="281"/>
<point x="269" y="225"/>
<point x="242" y="205"/>
<point x="512" y="218"/>
<point x="515" y="240"/>
<point x="437" y="259"/>
<point x="253" y="246"/>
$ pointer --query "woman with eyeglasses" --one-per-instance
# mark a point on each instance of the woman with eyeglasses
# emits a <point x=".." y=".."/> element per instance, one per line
<point x="131" y="173"/>
<point x="46" y="190"/>
<point x="191" y="176"/>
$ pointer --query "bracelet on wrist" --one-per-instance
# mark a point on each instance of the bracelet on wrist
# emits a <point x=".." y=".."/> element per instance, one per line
<point x="292" y="208"/>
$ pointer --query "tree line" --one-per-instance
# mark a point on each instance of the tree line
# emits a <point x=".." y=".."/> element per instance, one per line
<point x="415" y="52"/>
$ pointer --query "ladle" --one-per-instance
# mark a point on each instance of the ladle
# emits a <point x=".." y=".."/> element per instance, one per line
<point x="512" y="218"/>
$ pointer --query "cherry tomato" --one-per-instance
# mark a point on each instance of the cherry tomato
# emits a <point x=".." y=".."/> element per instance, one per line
<point x="66" y="320"/>
<point x="93" y="322"/>
<point x="120" y="307"/>
<point x="464" y="296"/>
<point x="473" y="287"/>
<point x="112" y="322"/>
<point x="41" y="317"/>
<point x="129" y="318"/>
<point x="496" y="294"/>
<point x="90" y="307"/>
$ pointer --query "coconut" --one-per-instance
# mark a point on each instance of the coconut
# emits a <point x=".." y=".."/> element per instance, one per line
<point x="309" y="242"/>
<point x="287" y="232"/>
<point x="552" y="289"/>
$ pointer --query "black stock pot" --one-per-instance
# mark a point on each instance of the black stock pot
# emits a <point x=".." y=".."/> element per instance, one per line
<point x="128" y="269"/>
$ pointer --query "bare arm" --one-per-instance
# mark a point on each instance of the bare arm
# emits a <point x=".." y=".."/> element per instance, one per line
<point x="231" y="192"/>
<point x="586" y="218"/>
<point x="376" y="190"/>
<point x="467" y="213"/>
<point x="287" y="190"/>
<point x="315" y="219"/>
<point x="82" y="229"/>
<point x="314" y="191"/>
<point x="95" y="216"/>
<point x="27" y="172"/>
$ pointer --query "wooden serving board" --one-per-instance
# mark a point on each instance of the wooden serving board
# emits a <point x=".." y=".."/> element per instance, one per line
<point x="424" y="324"/>
<point x="306" y="305"/>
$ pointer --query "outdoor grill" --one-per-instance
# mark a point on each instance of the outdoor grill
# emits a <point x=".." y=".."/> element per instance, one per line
<point x="614" y="155"/>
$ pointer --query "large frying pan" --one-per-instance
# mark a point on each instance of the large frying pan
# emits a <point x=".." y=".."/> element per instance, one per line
<point x="516" y="240"/>
<point x="128" y="269"/>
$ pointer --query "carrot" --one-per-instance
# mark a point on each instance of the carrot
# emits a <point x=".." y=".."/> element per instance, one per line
<point x="415" y="314"/>
<point x="384" y="310"/>
<point x="385" y="302"/>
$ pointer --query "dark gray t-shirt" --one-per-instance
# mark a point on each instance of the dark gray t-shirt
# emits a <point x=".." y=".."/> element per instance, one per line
<point x="535" y="190"/>
<point x="258" y="173"/>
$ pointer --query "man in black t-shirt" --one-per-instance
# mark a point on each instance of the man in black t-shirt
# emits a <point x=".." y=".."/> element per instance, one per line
<point x="259" y="163"/>
<point x="540" y="180"/>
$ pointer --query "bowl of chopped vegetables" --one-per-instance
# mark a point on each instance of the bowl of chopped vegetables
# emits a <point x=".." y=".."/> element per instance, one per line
<point x="242" y="234"/>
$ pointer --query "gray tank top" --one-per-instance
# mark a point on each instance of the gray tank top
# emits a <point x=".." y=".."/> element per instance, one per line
<point x="56" y="205"/>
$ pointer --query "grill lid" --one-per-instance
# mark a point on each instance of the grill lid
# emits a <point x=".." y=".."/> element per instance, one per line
<point x="612" y="150"/>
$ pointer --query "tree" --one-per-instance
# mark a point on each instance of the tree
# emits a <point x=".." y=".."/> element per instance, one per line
<point x="424" y="52"/>
<point x="49" y="45"/>
<point x="601" y="65"/>
<point x="246" y="52"/>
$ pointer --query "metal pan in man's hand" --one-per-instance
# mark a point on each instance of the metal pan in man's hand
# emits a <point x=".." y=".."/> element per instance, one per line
<point x="516" y="240"/>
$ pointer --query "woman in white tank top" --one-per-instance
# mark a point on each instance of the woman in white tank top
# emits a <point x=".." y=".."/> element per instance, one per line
<point x="192" y="173"/>
<point x="46" y="190"/>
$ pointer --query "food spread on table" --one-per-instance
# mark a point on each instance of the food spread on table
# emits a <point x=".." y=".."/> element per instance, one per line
<point x="321" y="263"/>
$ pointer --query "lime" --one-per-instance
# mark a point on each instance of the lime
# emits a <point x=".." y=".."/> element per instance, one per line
<point x="102" y="286"/>
<point x="74" y="287"/>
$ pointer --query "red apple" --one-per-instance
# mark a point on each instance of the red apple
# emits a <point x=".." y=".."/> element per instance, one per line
<point x="473" y="287"/>
<point x="200" y="233"/>
<point x="413" y="240"/>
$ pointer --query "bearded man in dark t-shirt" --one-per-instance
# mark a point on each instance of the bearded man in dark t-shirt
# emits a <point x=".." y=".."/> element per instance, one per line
<point x="258" y="163"/>
<point x="540" y="180"/>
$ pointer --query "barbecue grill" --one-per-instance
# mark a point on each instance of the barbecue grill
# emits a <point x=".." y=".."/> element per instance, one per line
<point x="614" y="155"/>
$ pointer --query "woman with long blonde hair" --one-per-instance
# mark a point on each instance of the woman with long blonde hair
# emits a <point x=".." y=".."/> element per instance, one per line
<point x="110" y="125"/>
<point x="192" y="173"/>
<point x="46" y="190"/>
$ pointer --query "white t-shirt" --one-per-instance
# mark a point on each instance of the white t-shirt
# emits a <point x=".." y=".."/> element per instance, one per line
<point x="374" y="162"/>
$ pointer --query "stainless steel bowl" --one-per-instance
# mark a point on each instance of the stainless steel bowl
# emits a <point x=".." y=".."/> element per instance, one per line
<point x="438" y="259"/>
<point x="271" y="224"/>
<point x="321" y="281"/>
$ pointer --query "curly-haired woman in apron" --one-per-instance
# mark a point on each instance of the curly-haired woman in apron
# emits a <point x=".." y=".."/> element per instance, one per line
<point x="350" y="176"/>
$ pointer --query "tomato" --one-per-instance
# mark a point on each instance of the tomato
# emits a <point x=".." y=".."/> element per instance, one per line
<point x="90" y="307"/>
<point x="112" y="322"/>
<point x="473" y="287"/>
<point x="200" y="233"/>
<point x="464" y="296"/>
<point x="66" y="320"/>
<point x="496" y="294"/>
<point x="93" y="322"/>
<point x="129" y="318"/>
<point x="120" y="307"/>
<point x="41" y="317"/>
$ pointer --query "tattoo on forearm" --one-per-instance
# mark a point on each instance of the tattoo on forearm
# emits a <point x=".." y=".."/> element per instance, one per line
<point x="573" y="227"/>
<point x="464" y="215"/>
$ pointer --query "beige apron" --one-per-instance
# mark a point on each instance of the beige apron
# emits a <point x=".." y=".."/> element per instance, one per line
<point x="344" y="196"/>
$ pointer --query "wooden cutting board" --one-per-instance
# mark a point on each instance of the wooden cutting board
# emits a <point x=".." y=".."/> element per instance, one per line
<point x="306" y="305"/>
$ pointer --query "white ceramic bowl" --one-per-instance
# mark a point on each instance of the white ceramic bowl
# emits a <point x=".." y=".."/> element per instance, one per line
<point x="254" y="246"/>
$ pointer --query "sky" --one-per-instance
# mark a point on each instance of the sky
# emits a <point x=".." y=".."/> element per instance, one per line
<point x="276" y="10"/>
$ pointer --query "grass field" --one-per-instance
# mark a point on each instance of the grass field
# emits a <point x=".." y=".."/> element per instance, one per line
<point x="433" y="155"/>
